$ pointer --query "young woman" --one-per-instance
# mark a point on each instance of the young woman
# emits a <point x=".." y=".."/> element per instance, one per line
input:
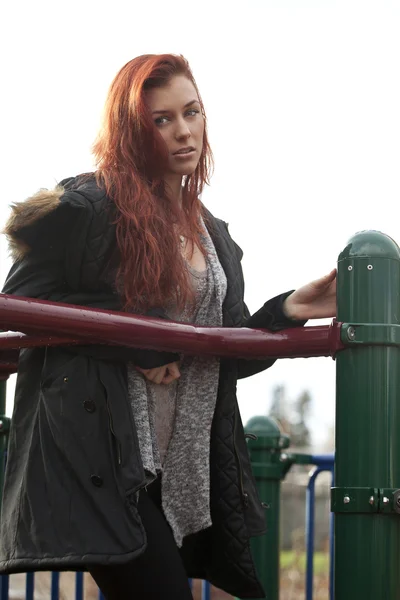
<point x="132" y="463"/>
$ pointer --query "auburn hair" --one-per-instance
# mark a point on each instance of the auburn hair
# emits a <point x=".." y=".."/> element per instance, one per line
<point x="131" y="159"/>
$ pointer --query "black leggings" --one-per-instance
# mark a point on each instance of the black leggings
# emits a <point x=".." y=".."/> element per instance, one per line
<point x="156" y="574"/>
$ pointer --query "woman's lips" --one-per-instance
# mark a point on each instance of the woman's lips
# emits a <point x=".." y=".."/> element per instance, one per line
<point x="182" y="154"/>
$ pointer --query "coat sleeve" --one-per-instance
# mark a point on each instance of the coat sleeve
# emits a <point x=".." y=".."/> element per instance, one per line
<point x="270" y="316"/>
<point x="41" y="248"/>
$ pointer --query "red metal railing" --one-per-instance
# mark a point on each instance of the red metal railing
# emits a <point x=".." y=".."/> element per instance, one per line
<point x="42" y="323"/>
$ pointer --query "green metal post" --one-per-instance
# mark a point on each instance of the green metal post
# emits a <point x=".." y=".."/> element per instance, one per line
<point x="4" y="427"/>
<point x="269" y="467"/>
<point x="367" y="471"/>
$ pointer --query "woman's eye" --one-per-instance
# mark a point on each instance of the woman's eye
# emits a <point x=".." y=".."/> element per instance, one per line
<point x="161" y="120"/>
<point x="192" y="112"/>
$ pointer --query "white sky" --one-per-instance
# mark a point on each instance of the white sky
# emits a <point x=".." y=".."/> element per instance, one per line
<point x="303" y="105"/>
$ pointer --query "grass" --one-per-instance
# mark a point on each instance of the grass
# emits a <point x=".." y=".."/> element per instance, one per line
<point x="291" y="559"/>
<point x="292" y="575"/>
<point x="292" y="578"/>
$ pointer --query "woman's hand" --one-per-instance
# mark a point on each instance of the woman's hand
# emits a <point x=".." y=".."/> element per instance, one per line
<point x="164" y="374"/>
<point x="316" y="300"/>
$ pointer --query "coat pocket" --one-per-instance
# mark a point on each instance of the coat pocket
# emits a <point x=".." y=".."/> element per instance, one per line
<point x="115" y="442"/>
<point x="121" y="425"/>
<point x="57" y="364"/>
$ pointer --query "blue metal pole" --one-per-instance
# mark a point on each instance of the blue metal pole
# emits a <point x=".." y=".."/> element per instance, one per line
<point x="205" y="590"/>
<point x="79" y="586"/>
<point x="323" y="462"/>
<point x="331" y="549"/>
<point x="30" y="586"/>
<point x="101" y="597"/>
<point x="310" y="509"/>
<point x="55" y="585"/>
<point x="4" y="587"/>
<point x="331" y="557"/>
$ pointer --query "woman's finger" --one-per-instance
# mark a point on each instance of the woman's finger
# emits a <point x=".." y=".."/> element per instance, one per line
<point x="159" y="375"/>
<point x="150" y="374"/>
<point x="174" y="369"/>
<point x="168" y="379"/>
<point x="143" y="371"/>
<point x="171" y="374"/>
<point x="325" y="280"/>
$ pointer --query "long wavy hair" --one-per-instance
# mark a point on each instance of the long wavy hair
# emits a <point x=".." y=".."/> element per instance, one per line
<point x="131" y="159"/>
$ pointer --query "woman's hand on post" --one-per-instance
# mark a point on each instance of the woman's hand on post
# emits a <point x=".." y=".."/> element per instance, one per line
<point x="165" y="374"/>
<point x="315" y="300"/>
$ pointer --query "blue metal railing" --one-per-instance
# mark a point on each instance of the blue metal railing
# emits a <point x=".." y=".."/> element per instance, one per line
<point x="30" y="586"/>
<point x="55" y="586"/>
<point x="79" y="587"/>
<point x="4" y="585"/>
<point x="322" y="464"/>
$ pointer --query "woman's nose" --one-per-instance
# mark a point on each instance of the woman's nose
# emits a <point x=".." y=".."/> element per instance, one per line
<point x="182" y="130"/>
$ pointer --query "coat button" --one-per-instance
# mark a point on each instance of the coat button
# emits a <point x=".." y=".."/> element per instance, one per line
<point x="89" y="405"/>
<point x="96" y="480"/>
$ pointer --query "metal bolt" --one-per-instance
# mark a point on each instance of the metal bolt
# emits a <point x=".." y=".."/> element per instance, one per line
<point x="1" y="425"/>
<point x="351" y="333"/>
<point x="371" y="500"/>
<point x="283" y="457"/>
<point x="65" y="379"/>
<point x="370" y="267"/>
<point x="398" y="502"/>
<point x="385" y="500"/>
<point x="346" y="499"/>
<point x="349" y="268"/>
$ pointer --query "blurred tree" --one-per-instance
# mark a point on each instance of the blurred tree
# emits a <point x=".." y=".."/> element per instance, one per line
<point x="292" y="417"/>
<point x="279" y="408"/>
<point x="300" y="433"/>
<point x="329" y="445"/>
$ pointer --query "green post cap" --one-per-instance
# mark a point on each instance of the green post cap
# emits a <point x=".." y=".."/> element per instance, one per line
<point x="268" y="429"/>
<point x="370" y="244"/>
<point x="263" y="426"/>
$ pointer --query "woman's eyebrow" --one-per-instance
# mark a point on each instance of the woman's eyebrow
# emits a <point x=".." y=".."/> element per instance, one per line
<point x="158" y="112"/>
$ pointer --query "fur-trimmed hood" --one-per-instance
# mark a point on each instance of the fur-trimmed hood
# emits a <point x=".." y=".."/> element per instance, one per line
<point x="43" y="221"/>
<point x="25" y="214"/>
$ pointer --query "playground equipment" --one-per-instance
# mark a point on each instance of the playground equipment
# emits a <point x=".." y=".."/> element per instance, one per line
<point x="365" y="340"/>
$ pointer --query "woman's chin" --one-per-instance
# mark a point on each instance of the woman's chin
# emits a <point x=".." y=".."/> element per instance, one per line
<point x="185" y="169"/>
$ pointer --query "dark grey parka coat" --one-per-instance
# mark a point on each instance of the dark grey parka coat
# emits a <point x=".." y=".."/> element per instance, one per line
<point x="74" y="468"/>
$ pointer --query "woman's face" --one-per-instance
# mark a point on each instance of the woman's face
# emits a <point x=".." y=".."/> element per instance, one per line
<point x="177" y="114"/>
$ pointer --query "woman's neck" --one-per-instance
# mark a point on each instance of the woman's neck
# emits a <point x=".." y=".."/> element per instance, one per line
<point x="174" y="188"/>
